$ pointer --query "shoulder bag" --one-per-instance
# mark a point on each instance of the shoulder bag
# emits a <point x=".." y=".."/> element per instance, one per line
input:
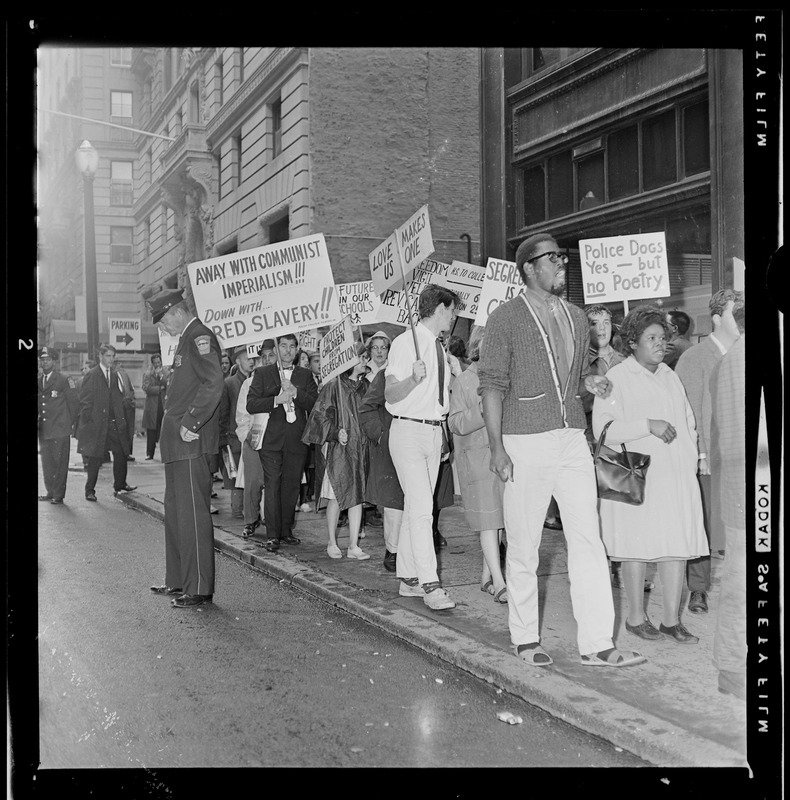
<point x="620" y="475"/>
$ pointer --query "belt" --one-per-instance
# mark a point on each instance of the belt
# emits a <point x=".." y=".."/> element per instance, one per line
<point x="424" y="421"/>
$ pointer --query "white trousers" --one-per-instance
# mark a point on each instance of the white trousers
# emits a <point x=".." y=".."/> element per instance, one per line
<point x="416" y="450"/>
<point x="556" y="463"/>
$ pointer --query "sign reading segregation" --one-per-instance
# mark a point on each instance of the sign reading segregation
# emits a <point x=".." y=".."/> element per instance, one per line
<point x="265" y="292"/>
<point x="500" y="284"/>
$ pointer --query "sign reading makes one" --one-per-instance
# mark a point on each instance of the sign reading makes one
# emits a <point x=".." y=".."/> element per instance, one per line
<point x="338" y="350"/>
<point x="500" y="284"/>
<point x="624" y="267"/>
<point x="125" y="333"/>
<point x="257" y="294"/>
<point x="466" y="281"/>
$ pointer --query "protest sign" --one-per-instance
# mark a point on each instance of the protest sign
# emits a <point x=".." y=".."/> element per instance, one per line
<point x="466" y="281"/>
<point x="401" y="252"/>
<point x="308" y="340"/>
<point x="338" y="350"/>
<point x="626" y="268"/>
<point x="167" y="347"/>
<point x="500" y="284"/>
<point x="359" y="301"/>
<point x="394" y="307"/>
<point x="265" y="292"/>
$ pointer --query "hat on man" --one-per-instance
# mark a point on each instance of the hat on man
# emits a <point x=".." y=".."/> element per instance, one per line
<point x="266" y="344"/>
<point x="48" y="352"/>
<point x="238" y="350"/>
<point x="161" y="303"/>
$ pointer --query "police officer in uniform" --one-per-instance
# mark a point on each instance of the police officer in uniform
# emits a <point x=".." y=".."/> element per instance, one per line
<point x="58" y="403"/>
<point x="190" y="434"/>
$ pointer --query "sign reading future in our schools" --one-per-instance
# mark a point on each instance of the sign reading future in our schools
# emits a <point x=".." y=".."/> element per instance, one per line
<point x="126" y="333"/>
<point x="624" y="267"/>
<point x="268" y="291"/>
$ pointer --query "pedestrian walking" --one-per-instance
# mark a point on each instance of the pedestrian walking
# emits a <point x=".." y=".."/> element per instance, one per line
<point x="58" y="404"/>
<point x="155" y="388"/>
<point x="190" y="434"/>
<point x="129" y="405"/>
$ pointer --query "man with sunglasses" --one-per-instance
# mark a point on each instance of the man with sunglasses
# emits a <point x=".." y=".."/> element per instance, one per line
<point x="534" y="370"/>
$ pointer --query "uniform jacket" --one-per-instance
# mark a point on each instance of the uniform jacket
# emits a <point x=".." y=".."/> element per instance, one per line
<point x="58" y="403"/>
<point x="515" y="360"/>
<point x="154" y="387"/>
<point x="97" y="407"/>
<point x="193" y="396"/>
<point x="265" y="386"/>
<point x="227" y="412"/>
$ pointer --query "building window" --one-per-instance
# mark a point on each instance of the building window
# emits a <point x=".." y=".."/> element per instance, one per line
<point x="535" y="60"/>
<point x="121" y="183"/>
<point x="279" y="230"/>
<point x="148" y="243"/>
<point x="120" y="245"/>
<point x="121" y="114"/>
<point x="277" y="127"/>
<point x="238" y="176"/>
<point x="120" y="56"/>
<point x="654" y="152"/>
<point x="167" y="71"/>
<point x="241" y="66"/>
<point x="219" y="77"/>
<point x="194" y="103"/>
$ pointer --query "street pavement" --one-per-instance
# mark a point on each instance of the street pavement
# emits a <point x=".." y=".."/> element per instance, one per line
<point x="667" y="711"/>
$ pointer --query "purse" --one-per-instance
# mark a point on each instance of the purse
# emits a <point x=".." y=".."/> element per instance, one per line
<point x="620" y="475"/>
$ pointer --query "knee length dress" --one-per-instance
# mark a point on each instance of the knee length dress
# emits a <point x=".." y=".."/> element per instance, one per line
<point x="669" y="524"/>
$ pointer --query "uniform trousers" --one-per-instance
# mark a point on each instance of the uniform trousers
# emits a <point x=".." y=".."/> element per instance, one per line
<point x="416" y="451"/>
<point x="120" y="464"/>
<point x="189" y="529"/>
<point x="698" y="569"/>
<point x="253" y="484"/>
<point x="55" y="464"/>
<point x="282" y="475"/>
<point x="556" y="463"/>
<point x="729" y="640"/>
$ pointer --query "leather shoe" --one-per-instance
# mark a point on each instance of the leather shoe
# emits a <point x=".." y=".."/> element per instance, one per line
<point x="390" y="560"/>
<point x="290" y="539"/>
<point x="125" y="488"/>
<point x="678" y="633"/>
<point x="439" y="540"/>
<point x="166" y="590"/>
<point x="698" y="603"/>
<point x="131" y="458"/>
<point x="272" y="545"/>
<point x="56" y="501"/>
<point x="91" y="496"/>
<point x="189" y="600"/>
<point x="553" y="524"/>
<point x="45" y="497"/>
<point x="645" y="630"/>
<point x="250" y="529"/>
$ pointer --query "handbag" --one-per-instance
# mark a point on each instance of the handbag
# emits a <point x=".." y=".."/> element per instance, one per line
<point x="620" y="475"/>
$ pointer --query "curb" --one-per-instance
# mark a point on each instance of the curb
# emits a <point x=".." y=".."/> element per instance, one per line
<point x="647" y="736"/>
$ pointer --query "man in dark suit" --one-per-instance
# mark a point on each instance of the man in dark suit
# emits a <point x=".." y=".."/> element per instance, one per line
<point x="190" y="434"/>
<point x="102" y="423"/>
<point x="58" y="402"/>
<point x="288" y="396"/>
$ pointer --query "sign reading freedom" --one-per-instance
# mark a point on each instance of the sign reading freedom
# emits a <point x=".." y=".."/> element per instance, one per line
<point x="394" y="308"/>
<point x="338" y="350"/>
<point x="268" y="291"/>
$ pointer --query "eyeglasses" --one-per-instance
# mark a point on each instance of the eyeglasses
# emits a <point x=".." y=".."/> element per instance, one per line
<point x="554" y="256"/>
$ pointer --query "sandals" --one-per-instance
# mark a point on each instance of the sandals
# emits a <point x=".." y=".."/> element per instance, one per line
<point x="499" y="597"/>
<point x="533" y="654"/>
<point x="613" y="658"/>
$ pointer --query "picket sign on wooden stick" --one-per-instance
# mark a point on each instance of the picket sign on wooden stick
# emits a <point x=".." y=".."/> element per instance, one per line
<point x="408" y="299"/>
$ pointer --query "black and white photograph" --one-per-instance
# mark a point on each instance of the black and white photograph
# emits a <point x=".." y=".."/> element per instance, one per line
<point x="394" y="404"/>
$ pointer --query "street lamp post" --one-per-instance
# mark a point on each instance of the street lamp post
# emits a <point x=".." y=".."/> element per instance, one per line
<point x="87" y="163"/>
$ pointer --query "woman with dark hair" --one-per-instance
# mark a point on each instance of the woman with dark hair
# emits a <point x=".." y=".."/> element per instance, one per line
<point x="649" y="412"/>
<point x="155" y="387"/>
<point x="334" y="424"/>
<point x="457" y="346"/>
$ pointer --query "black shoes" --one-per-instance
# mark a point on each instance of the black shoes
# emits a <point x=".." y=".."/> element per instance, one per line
<point x="342" y="520"/>
<point x="131" y="458"/>
<point x="124" y="488"/>
<point x="698" y="603"/>
<point x="553" y="523"/>
<point x="272" y="545"/>
<point x="47" y="497"/>
<point x="678" y="634"/>
<point x="438" y="540"/>
<point x="290" y="539"/>
<point x="166" y="590"/>
<point x="645" y="630"/>
<point x="390" y="560"/>
<point x="250" y="529"/>
<point x="190" y="600"/>
<point x="90" y="496"/>
<point x="56" y="501"/>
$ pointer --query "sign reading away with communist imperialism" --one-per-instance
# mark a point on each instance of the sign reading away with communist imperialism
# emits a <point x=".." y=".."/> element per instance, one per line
<point x="624" y="267"/>
<point x="268" y="291"/>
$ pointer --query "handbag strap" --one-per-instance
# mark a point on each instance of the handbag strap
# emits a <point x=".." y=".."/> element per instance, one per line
<point x="601" y="440"/>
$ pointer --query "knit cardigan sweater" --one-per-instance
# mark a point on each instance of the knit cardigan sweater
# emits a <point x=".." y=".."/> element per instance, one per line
<point x="516" y="361"/>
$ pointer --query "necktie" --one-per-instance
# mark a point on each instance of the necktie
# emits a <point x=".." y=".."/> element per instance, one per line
<point x="290" y="411"/>
<point x="557" y="340"/>
<point x="440" y="358"/>
<point x="107" y="377"/>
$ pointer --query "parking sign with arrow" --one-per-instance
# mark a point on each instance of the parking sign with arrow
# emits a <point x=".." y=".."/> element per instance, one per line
<point x="126" y="333"/>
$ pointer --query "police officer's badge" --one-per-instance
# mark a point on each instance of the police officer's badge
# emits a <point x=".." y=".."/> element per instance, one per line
<point x="54" y="393"/>
<point x="203" y="344"/>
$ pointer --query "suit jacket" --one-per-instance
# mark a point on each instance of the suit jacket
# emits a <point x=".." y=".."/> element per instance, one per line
<point x="97" y="406"/>
<point x="193" y="396"/>
<point x="58" y="403"/>
<point x="154" y="387"/>
<point x="265" y="386"/>
<point x="227" y="412"/>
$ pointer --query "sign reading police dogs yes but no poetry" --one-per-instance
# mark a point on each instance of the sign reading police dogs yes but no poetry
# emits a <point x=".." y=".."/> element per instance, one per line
<point x="500" y="284"/>
<point x="394" y="309"/>
<point x="265" y="292"/>
<point x="338" y="350"/>
<point x="624" y="267"/>
<point x="410" y="244"/>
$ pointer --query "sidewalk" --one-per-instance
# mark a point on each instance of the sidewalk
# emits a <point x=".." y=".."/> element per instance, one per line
<point x="667" y="711"/>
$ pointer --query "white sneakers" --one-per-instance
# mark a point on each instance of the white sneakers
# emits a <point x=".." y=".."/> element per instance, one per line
<point x="438" y="600"/>
<point x="405" y="590"/>
<point x="333" y="551"/>
<point x="358" y="553"/>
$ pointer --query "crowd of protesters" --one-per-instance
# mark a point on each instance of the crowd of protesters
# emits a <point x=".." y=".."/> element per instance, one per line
<point x="517" y="409"/>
